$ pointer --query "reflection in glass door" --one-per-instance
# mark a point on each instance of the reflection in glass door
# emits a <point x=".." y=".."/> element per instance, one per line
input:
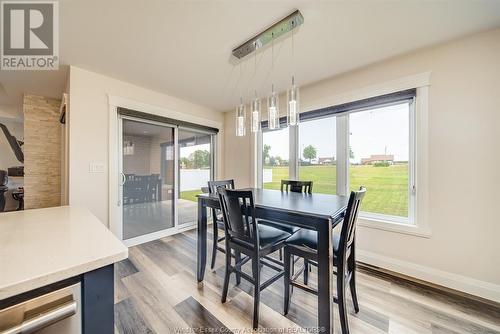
<point x="148" y="174"/>
<point x="195" y="170"/>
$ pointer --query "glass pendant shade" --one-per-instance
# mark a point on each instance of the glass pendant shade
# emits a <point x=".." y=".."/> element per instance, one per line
<point x="240" y="120"/>
<point x="293" y="110"/>
<point x="255" y="109"/>
<point x="273" y="110"/>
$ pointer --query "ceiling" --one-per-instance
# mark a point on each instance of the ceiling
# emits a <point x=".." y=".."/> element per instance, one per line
<point x="183" y="48"/>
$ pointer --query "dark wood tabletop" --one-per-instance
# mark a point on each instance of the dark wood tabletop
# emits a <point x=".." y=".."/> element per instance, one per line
<point x="318" y="205"/>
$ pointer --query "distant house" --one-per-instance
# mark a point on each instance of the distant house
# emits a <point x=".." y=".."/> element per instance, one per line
<point x="326" y="161"/>
<point x="378" y="158"/>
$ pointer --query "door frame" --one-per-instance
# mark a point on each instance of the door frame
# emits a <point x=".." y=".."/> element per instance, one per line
<point x="114" y="224"/>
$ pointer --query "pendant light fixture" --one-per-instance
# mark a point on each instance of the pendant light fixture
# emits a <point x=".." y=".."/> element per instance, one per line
<point x="255" y="109"/>
<point x="273" y="110"/>
<point x="240" y="119"/>
<point x="285" y="25"/>
<point x="292" y="96"/>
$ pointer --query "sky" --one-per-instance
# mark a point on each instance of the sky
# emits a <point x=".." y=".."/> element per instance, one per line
<point x="373" y="131"/>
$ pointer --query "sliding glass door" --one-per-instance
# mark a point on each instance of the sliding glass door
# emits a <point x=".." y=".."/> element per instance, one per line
<point x="148" y="174"/>
<point x="162" y="167"/>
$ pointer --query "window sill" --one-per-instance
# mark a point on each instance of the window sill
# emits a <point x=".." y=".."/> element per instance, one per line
<point x="391" y="226"/>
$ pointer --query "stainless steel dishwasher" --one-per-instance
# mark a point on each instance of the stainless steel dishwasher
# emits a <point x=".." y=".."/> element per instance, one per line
<point x="55" y="312"/>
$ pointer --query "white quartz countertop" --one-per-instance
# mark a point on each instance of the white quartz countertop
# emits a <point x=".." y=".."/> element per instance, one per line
<point x="43" y="246"/>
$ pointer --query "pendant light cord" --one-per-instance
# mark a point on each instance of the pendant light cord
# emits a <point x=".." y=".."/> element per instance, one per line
<point x="293" y="53"/>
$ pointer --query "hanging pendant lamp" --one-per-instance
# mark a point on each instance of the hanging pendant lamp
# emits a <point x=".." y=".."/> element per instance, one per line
<point x="255" y="110"/>
<point x="273" y="110"/>
<point x="292" y="106"/>
<point x="240" y="119"/>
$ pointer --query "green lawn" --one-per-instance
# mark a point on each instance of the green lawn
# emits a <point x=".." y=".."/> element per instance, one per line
<point x="387" y="187"/>
<point x="190" y="195"/>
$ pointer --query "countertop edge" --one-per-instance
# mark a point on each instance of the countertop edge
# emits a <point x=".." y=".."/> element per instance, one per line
<point x="37" y="282"/>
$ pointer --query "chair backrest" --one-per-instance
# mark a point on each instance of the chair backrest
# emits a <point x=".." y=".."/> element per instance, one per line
<point x="238" y="210"/>
<point x="297" y="186"/>
<point x="348" y="232"/>
<point x="214" y="185"/>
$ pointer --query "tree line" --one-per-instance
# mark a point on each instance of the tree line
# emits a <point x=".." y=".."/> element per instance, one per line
<point x="196" y="160"/>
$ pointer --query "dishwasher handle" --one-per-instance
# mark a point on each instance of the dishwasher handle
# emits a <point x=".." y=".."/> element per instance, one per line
<point x="44" y="319"/>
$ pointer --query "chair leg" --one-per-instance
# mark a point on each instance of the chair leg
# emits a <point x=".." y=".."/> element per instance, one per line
<point x="352" y="284"/>
<point x="256" y="290"/>
<point x="237" y="258"/>
<point x="215" y="243"/>
<point x="226" y="275"/>
<point x="341" y="296"/>
<point x="306" y="271"/>
<point x="281" y="254"/>
<point x="354" y="295"/>
<point x="287" y="276"/>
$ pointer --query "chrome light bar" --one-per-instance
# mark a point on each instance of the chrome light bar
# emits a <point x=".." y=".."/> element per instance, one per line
<point x="281" y="27"/>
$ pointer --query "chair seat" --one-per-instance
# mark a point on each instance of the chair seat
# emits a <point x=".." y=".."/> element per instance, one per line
<point x="309" y="239"/>
<point x="269" y="235"/>
<point x="280" y="226"/>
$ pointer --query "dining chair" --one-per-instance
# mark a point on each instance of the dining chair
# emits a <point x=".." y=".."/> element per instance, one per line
<point x="217" y="218"/>
<point x="297" y="186"/>
<point x="304" y="244"/>
<point x="245" y="234"/>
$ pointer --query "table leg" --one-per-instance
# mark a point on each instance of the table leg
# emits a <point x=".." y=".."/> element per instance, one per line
<point x="97" y="307"/>
<point x="325" y="272"/>
<point x="202" y="239"/>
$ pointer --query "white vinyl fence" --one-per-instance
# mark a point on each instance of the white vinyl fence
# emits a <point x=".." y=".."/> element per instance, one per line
<point x="267" y="175"/>
<point x="194" y="179"/>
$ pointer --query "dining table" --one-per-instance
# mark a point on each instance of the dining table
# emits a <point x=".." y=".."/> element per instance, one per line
<point x="319" y="212"/>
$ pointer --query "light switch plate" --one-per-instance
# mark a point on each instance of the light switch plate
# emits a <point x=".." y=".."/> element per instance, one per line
<point x="96" y="167"/>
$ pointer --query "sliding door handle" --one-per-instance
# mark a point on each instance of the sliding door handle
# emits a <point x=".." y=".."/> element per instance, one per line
<point x="123" y="179"/>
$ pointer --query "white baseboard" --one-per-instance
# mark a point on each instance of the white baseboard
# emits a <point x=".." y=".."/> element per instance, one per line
<point x="461" y="283"/>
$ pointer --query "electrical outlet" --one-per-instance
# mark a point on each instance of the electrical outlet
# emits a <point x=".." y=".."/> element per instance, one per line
<point x="95" y="167"/>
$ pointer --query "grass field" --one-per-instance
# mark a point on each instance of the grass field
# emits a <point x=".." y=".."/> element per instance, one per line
<point x="387" y="187"/>
<point x="190" y="195"/>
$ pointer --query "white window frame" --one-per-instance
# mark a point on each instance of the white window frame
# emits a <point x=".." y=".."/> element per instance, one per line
<point x="417" y="221"/>
<point x="380" y="217"/>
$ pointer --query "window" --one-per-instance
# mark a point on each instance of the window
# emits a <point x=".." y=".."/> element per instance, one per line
<point x="379" y="153"/>
<point x="275" y="152"/>
<point x="367" y="143"/>
<point x="318" y="154"/>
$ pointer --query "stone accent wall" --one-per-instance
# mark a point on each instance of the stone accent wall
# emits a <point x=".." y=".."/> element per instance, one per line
<point x="42" y="152"/>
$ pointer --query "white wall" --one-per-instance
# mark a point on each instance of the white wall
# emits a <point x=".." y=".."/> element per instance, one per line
<point x="89" y="131"/>
<point x="464" y="139"/>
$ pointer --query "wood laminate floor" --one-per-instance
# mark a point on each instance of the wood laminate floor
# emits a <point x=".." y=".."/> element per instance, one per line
<point x="156" y="292"/>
